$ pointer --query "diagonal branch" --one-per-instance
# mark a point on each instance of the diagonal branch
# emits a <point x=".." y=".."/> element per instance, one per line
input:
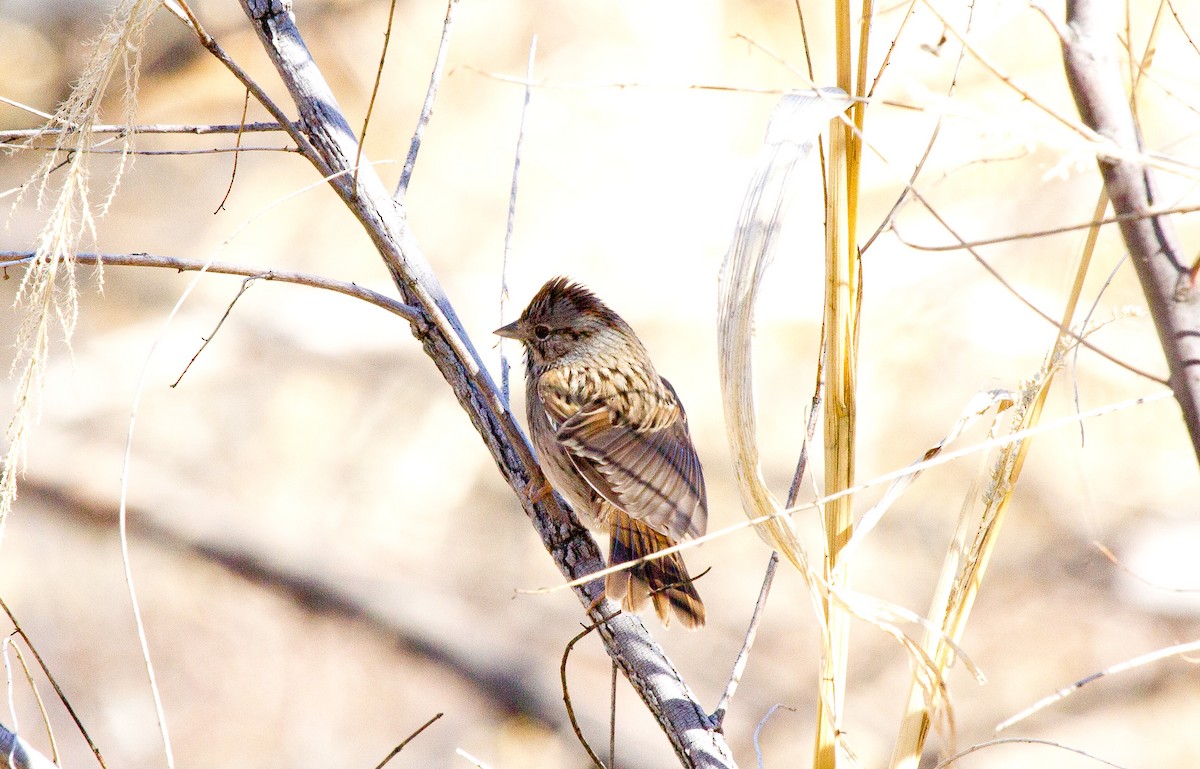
<point x="447" y="344"/>
<point x="1091" y="56"/>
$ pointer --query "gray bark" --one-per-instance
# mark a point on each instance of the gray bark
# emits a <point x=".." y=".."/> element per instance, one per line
<point x="1092" y="59"/>
<point x="15" y="753"/>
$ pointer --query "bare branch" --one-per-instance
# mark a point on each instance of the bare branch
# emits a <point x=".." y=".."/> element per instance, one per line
<point x="197" y="129"/>
<point x="1093" y="72"/>
<point x="1121" y="667"/>
<point x="950" y="761"/>
<point x="512" y="217"/>
<point x="447" y="344"/>
<point x="161" y="153"/>
<point x="212" y="334"/>
<point x="435" y="79"/>
<point x="5" y="747"/>
<point x="1033" y="234"/>
<point x="622" y="85"/>
<point x="743" y="658"/>
<point x="387" y="38"/>
<point x="739" y="665"/>
<point x="396" y="750"/>
<point x="1010" y="288"/>
<point x="1086" y="132"/>
<point x="566" y="692"/>
<point x="212" y="46"/>
<point x="237" y="145"/>
<point x="411" y="314"/>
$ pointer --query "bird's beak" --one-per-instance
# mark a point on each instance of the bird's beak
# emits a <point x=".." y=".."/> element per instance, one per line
<point x="512" y="331"/>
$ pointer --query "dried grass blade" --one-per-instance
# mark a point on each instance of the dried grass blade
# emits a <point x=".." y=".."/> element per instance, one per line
<point x="48" y="287"/>
<point x="791" y="132"/>
<point x="979" y="405"/>
<point x="967" y="559"/>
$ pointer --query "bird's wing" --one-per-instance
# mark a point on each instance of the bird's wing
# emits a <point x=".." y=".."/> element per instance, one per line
<point x="653" y="474"/>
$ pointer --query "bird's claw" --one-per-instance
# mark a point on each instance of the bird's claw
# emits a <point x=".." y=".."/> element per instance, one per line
<point x="539" y="493"/>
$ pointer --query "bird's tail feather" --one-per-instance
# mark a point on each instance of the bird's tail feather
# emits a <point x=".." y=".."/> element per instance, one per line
<point x="663" y="581"/>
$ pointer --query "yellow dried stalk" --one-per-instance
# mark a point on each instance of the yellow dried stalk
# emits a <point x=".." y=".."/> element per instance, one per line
<point x="965" y="565"/>
<point x="966" y="562"/>
<point x="48" y="289"/>
<point x="842" y="294"/>
<point x="967" y="559"/>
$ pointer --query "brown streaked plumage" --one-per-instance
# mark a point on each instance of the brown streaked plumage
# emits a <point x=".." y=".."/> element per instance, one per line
<point x="613" y="440"/>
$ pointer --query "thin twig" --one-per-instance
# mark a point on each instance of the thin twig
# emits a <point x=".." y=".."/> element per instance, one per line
<point x="412" y="314"/>
<point x="1183" y="28"/>
<point x="196" y="129"/>
<point x="166" y="153"/>
<point x="435" y="79"/>
<point x="1097" y="146"/>
<point x="804" y="42"/>
<point x="887" y="57"/>
<point x="27" y="108"/>
<point x="806" y="80"/>
<point x="37" y="698"/>
<point x="624" y="84"/>
<point x="1112" y="557"/>
<point x="62" y="697"/>
<point x="612" y="719"/>
<point x="471" y="759"/>
<point x="1083" y="326"/>
<point x="717" y="719"/>
<point x="963" y="39"/>
<point x="946" y="763"/>
<point x="362" y="136"/>
<point x="810" y="429"/>
<point x="512" y="216"/>
<point x="759" y="727"/>
<point x="888" y="220"/>
<point x="127" y="564"/>
<point x="820" y="148"/>
<point x="245" y="286"/>
<point x="740" y="662"/>
<point x="1018" y="295"/>
<point x="562" y="673"/>
<point x="237" y="145"/>
<point x="1066" y="691"/>
<point x="1117" y="219"/>
<point x="1055" y="23"/>
<point x="396" y="750"/>
<point x="281" y="120"/>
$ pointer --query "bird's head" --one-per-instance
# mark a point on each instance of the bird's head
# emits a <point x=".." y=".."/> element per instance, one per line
<point x="563" y="319"/>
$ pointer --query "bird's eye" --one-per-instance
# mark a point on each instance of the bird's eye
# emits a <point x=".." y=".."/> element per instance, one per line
<point x="541" y="331"/>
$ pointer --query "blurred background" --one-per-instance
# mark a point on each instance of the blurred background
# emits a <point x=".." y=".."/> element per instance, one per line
<point x="324" y="553"/>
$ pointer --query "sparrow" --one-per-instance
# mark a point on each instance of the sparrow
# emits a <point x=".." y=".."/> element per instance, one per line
<point x="612" y="438"/>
